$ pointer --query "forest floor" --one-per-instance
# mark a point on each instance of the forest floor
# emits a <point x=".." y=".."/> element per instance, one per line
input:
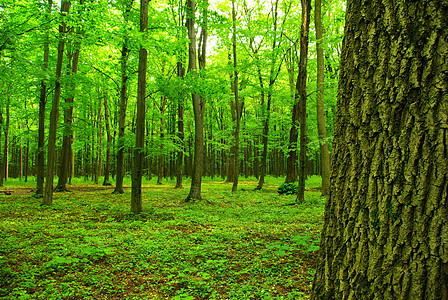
<point x="248" y="245"/>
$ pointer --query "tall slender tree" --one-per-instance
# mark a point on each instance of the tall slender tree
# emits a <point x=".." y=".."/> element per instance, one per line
<point x="54" y="115"/>
<point x="1" y="161"/>
<point x="5" y="162"/>
<point x="274" y="71"/>
<point x="323" y="145"/>
<point x="180" y="129"/>
<point x="386" y="222"/>
<point x="67" y="140"/>
<point x="123" y="100"/>
<point x="41" y="128"/>
<point x="137" y="171"/>
<point x="238" y="108"/>
<point x="301" y="96"/>
<point x="109" y="140"/>
<point x="198" y="102"/>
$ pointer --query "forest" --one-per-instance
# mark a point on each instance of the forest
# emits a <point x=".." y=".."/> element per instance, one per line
<point x="275" y="149"/>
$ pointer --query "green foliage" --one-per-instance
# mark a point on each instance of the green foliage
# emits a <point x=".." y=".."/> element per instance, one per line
<point x="247" y="245"/>
<point x="289" y="188"/>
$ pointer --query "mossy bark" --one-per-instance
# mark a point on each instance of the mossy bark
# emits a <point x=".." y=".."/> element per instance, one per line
<point x="386" y="221"/>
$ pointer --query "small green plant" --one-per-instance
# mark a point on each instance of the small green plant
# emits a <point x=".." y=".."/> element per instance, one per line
<point x="288" y="188"/>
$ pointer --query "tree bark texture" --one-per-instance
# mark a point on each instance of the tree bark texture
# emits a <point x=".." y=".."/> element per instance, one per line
<point x="54" y="115"/>
<point x="324" y="152"/>
<point x="137" y="172"/>
<point x="67" y="139"/>
<point x="198" y="103"/>
<point x="385" y="234"/>
<point x="123" y="106"/>
<point x="301" y="95"/>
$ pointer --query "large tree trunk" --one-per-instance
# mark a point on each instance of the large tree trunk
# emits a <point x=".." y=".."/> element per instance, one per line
<point x="198" y="102"/>
<point x="54" y="115"/>
<point x="137" y="171"/>
<point x="324" y="153"/>
<point x="301" y="95"/>
<point x="385" y="230"/>
<point x="123" y="105"/>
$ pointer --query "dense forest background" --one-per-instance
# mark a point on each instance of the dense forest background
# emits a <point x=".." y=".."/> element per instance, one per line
<point x="111" y="92"/>
<point x="99" y="78"/>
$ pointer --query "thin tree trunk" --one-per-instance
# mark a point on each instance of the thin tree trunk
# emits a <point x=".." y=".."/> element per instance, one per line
<point x="237" y="104"/>
<point x="72" y="161"/>
<point x="137" y="172"/>
<point x="272" y="79"/>
<point x="198" y="102"/>
<point x="324" y="152"/>
<point x="67" y="139"/>
<point x="233" y="112"/>
<point x="20" y="165"/>
<point x="48" y="193"/>
<point x="291" y="160"/>
<point x="301" y="95"/>
<point x="6" y="144"/>
<point x="27" y="152"/>
<point x="123" y="105"/>
<point x="180" y="128"/>
<point x="42" y="103"/>
<point x="99" y="134"/>
<point x="109" y="142"/>
<point x="161" y="158"/>
<point x="2" y="169"/>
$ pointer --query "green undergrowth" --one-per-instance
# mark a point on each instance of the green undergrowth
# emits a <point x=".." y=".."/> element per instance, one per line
<point x="248" y="245"/>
